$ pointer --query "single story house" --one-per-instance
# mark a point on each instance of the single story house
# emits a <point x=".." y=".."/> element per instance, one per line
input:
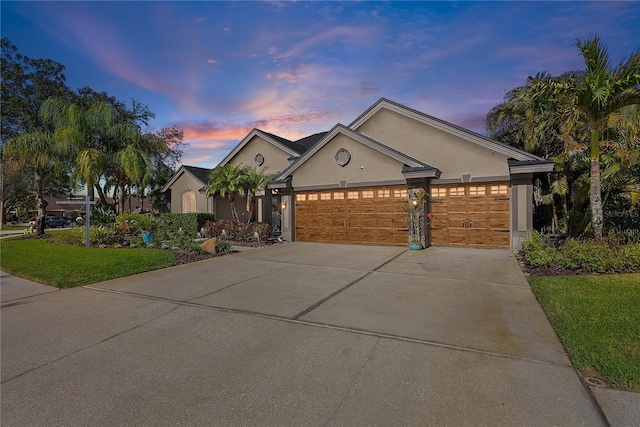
<point x="351" y="184"/>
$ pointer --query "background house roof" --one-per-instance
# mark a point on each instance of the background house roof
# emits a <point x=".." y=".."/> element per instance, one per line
<point x="202" y="174"/>
<point x="199" y="174"/>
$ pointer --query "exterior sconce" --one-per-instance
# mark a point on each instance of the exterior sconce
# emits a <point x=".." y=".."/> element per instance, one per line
<point x="414" y="202"/>
<point x="283" y="205"/>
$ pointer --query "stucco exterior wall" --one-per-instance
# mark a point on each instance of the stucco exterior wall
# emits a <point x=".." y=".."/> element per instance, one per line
<point x="185" y="183"/>
<point x="366" y="166"/>
<point x="454" y="156"/>
<point x="275" y="159"/>
<point x="223" y="208"/>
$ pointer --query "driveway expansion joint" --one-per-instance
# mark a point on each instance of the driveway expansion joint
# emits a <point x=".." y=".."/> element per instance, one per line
<point x="234" y="284"/>
<point x="338" y="328"/>
<point x="339" y="291"/>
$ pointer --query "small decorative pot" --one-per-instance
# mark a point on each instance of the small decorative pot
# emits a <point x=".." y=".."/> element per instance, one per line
<point x="415" y="246"/>
<point x="147" y="238"/>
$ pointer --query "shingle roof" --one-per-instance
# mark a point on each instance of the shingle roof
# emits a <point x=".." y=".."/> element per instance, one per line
<point x="308" y="141"/>
<point x="201" y="173"/>
<point x="284" y="142"/>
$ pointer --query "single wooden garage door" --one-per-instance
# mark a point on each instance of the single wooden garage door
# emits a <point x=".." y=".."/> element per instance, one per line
<point x="371" y="216"/>
<point x="475" y="215"/>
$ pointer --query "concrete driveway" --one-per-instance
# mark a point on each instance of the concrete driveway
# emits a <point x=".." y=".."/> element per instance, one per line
<point x="294" y="334"/>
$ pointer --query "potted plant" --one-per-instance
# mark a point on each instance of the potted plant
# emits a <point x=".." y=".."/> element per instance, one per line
<point x="147" y="224"/>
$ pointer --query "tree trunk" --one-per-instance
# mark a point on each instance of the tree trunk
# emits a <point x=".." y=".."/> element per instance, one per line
<point x="121" y="199"/>
<point x="234" y="212"/>
<point x="595" y="192"/>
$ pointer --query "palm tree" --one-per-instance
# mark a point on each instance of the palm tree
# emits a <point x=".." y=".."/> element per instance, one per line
<point x="254" y="182"/>
<point x="38" y="153"/>
<point x="228" y="180"/>
<point x="590" y="98"/>
<point x="576" y="107"/>
<point x="95" y="136"/>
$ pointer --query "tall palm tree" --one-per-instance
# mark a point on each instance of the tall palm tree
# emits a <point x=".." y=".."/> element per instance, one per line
<point x="255" y="180"/>
<point x="590" y="98"/>
<point x="94" y="136"/>
<point x="576" y="107"/>
<point x="36" y="152"/>
<point x="228" y="180"/>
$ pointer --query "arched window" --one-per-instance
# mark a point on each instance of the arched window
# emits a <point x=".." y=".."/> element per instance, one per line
<point x="188" y="201"/>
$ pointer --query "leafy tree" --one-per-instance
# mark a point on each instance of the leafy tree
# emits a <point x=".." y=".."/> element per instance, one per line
<point x="228" y="181"/>
<point x="566" y="115"/>
<point x="26" y="83"/>
<point x="36" y="152"/>
<point x="86" y="133"/>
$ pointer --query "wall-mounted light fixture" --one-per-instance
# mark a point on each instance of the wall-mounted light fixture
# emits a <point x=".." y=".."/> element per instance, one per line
<point x="414" y="202"/>
<point x="283" y="205"/>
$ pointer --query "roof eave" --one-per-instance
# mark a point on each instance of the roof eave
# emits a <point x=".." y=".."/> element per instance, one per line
<point x="534" y="167"/>
<point x="412" y="173"/>
<point x="245" y="141"/>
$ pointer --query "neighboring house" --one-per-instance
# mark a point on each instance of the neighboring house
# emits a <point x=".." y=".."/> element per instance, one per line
<point x="187" y="190"/>
<point x="349" y="185"/>
<point x="258" y="149"/>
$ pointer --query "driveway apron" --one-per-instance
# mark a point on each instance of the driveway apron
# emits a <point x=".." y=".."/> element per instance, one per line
<point x="297" y="334"/>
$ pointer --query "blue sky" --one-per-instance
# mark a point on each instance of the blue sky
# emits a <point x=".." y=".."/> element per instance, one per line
<point x="219" y="69"/>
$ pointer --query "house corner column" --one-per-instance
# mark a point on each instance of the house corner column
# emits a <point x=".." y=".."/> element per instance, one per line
<point x="521" y="209"/>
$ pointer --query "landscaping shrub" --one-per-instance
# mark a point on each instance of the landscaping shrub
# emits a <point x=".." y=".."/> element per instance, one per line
<point x="605" y="256"/>
<point x="183" y="242"/>
<point x="537" y="253"/>
<point x="127" y="224"/>
<point x="104" y="235"/>
<point x="102" y="216"/>
<point x="237" y="230"/>
<point x="223" y="246"/>
<point x="588" y="255"/>
<point x="170" y="224"/>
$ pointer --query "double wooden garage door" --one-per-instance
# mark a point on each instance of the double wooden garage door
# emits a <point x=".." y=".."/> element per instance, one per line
<point x="372" y="216"/>
<point x="462" y="215"/>
<point x="475" y="215"/>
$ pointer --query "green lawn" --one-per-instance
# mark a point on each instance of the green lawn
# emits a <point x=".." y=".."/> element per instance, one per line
<point x="69" y="266"/>
<point x="598" y="321"/>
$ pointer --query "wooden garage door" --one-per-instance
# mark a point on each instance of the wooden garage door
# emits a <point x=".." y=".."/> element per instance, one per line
<point x="372" y="215"/>
<point x="475" y="215"/>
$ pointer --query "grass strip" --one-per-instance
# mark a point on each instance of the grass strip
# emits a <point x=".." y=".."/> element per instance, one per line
<point x="70" y="266"/>
<point x="597" y="318"/>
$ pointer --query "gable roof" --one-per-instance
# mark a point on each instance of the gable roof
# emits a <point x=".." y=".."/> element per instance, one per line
<point x="413" y="164"/>
<point x="284" y="144"/>
<point x="476" y="138"/>
<point x="201" y="175"/>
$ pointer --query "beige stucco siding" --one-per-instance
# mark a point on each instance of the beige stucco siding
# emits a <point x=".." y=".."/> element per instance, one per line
<point x="454" y="156"/>
<point x="275" y="159"/>
<point x="184" y="183"/>
<point x="366" y="166"/>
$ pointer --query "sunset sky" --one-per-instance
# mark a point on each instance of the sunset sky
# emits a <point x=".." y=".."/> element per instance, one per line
<point x="219" y="69"/>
